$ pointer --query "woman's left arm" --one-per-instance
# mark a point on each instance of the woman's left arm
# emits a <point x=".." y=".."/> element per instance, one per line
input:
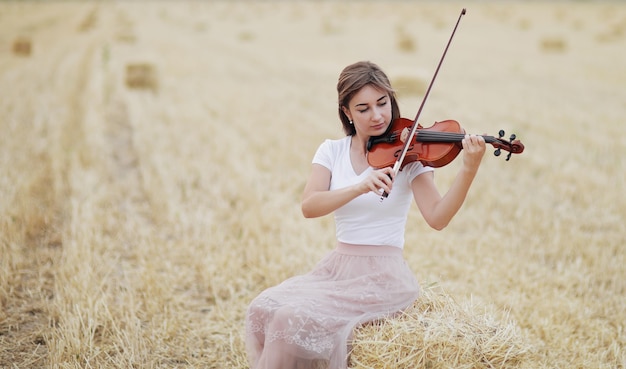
<point x="438" y="211"/>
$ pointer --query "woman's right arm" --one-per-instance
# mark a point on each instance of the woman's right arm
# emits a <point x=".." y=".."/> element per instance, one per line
<point x="318" y="200"/>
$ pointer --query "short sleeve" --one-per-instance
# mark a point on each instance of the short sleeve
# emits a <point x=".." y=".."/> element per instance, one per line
<point x="324" y="155"/>
<point x="414" y="169"/>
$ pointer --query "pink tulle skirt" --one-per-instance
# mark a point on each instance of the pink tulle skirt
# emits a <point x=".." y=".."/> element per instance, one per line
<point x="307" y="321"/>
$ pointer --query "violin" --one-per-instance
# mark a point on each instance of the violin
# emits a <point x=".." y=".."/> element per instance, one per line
<point x="435" y="146"/>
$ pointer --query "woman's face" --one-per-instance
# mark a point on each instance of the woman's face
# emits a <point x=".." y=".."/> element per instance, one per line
<point x="370" y="111"/>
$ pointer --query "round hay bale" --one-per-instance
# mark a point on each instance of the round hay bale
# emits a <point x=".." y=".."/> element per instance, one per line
<point x="22" y="46"/>
<point x="141" y="76"/>
<point x="437" y="332"/>
<point x="407" y="85"/>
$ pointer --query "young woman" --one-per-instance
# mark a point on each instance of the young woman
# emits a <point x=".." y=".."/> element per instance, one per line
<point x="307" y="321"/>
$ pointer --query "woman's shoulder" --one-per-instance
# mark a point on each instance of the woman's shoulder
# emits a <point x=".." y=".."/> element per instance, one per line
<point x="339" y="141"/>
<point x="335" y="145"/>
<point x="330" y="150"/>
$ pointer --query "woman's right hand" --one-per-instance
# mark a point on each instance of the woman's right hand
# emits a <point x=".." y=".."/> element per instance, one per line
<point x="378" y="181"/>
<point x="318" y="200"/>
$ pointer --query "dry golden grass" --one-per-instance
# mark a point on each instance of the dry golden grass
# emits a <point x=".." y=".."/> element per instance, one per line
<point x="136" y="227"/>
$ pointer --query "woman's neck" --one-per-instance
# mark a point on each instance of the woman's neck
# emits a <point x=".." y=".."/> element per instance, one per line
<point x="359" y="144"/>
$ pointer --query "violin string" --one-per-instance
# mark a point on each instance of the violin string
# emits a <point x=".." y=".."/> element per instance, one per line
<point x="445" y="137"/>
<point x="428" y="136"/>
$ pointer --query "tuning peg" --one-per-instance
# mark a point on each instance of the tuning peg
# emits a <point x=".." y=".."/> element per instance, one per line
<point x="501" y="133"/>
<point x="497" y="152"/>
<point x="513" y="136"/>
<point x="508" y="156"/>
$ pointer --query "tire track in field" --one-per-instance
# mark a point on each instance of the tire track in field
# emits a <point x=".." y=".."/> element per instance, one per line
<point x="122" y="158"/>
<point x="66" y="75"/>
<point x="59" y="85"/>
<point x="124" y="165"/>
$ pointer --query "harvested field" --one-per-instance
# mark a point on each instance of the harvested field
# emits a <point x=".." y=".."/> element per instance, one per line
<point x="153" y="154"/>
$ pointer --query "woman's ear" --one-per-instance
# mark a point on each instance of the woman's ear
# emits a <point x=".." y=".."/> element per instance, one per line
<point x="346" y="111"/>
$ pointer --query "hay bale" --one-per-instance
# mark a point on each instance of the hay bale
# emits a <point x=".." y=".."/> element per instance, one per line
<point x="246" y="36"/>
<point x="407" y="85"/>
<point x="330" y="27"/>
<point x="141" y="76"/>
<point x="553" y="44"/>
<point x="437" y="332"/>
<point x="22" y="46"/>
<point x="89" y="22"/>
<point x="126" y="35"/>
<point x="613" y="33"/>
<point x="405" y="41"/>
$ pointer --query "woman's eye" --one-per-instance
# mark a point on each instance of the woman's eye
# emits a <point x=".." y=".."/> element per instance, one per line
<point x="362" y="111"/>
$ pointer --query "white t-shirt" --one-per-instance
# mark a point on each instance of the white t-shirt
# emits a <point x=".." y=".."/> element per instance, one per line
<point x="366" y="220"/>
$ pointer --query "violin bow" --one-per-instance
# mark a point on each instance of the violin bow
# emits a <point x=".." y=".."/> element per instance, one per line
<point x="407" y="143"/>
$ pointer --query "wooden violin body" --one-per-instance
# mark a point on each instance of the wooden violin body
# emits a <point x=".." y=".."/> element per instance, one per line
<point x="435" y="146"/>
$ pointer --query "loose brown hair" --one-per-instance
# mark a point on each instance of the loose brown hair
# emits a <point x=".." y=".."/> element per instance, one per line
<point x="353" y="78"/>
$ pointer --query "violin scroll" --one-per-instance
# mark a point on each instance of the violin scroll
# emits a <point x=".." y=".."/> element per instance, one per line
<point x="513" y="146"/>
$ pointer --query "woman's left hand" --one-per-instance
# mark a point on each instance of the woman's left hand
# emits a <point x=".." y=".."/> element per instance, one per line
<point x="473" y="151"/>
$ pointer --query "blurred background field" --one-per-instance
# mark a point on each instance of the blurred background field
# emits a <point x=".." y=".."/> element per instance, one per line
<point x="153" y="154"/>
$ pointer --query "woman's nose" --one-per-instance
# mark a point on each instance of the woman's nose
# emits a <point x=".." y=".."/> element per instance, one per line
<point x="377" y="114"/>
